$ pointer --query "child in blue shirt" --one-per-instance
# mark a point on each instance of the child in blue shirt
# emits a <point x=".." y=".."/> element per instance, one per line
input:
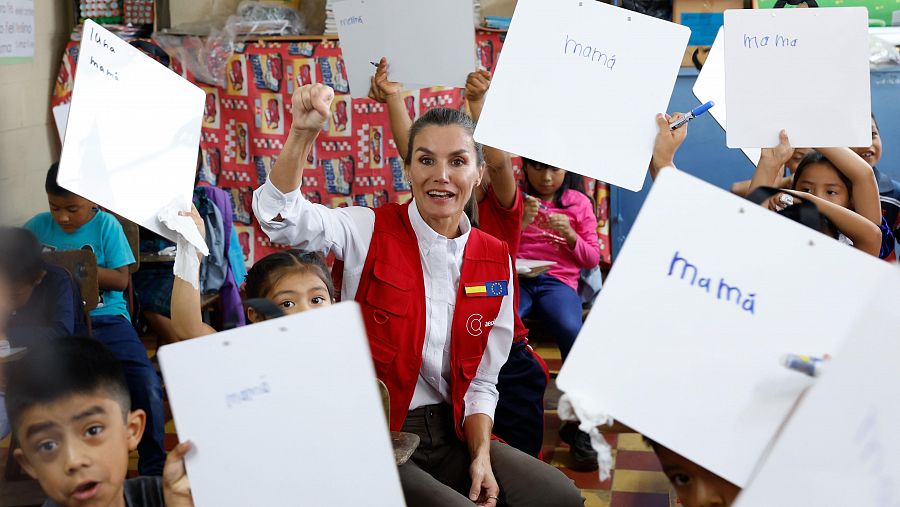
<point x="74" y="223"/>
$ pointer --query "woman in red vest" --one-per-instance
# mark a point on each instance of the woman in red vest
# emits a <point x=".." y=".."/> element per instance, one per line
<point x="436" y="298"/>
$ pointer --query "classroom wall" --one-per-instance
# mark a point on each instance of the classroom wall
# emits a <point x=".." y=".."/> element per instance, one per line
<point x="28" y="138"/>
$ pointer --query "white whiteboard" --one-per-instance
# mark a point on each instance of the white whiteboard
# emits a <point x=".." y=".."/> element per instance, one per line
<point x="840" y="447"/>
<point x="133" y="131"/>
<point x="60" y="117"/>
<point x="802" y="70"/>
<point x="578" y="86"/>
<point x="360" y="24"/>
<point x="691" y="367"/>
<point x="710" y="86"/>
<point x="428" y="42"/>
<point x="282" y="413"/>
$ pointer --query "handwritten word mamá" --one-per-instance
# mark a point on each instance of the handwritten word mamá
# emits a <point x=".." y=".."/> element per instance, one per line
<point x="723" y="292"/>
<point x="248" y="394"/>
<point x="589" y="53"/>
<point x="352" y="20"/>
<point x="872" y="455"/>
<point x="761" y="41"/>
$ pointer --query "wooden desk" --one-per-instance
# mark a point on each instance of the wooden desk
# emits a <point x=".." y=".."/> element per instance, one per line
<point x="152" y="258"/>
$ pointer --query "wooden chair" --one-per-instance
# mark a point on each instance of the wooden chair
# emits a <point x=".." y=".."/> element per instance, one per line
<point x="133" y="234"/>
<point x="405" y="444"/>
<point x="82" y="265"/>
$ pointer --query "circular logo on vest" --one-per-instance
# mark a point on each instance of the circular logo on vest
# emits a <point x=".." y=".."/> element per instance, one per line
<point x="474" y="324"/>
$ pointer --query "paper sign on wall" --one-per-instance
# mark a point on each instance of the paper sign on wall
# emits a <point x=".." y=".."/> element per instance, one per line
<point x="578" y="86"/>
<point x="840" y="446"/>
<point x="444" y="52"/>
<point x="685" y="341"/>
<point x="267" y="431"/>
<point x="802" y="70"/>
<point x="17" y="31"/>
<point x="134" y="171"/>
<point x="710" y="86"/>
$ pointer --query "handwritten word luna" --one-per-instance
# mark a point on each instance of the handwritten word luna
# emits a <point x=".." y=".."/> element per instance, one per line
<point x="248" y="394"/>
<point x="589" y="53"/>
<point x="99" y="39"/>
<point x="723" y="292"/>
<point x="761" y="41"/>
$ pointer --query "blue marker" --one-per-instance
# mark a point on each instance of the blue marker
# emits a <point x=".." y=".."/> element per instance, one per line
<point x="697" y="111"/>
<point x="808" y="365"/>
<point x="540" y="203"/>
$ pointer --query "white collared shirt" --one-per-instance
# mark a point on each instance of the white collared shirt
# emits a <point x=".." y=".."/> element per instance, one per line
<point x="348" y="233"/>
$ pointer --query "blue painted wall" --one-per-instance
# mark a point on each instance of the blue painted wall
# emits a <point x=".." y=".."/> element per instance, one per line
<point x="705" y="155"/>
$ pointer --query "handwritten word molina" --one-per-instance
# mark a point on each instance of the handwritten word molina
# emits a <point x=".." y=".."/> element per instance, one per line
<point x="761" y="41"/>
<point x="684" y="270"/>
<point x="593" y="54"/>
<point x="352" y="20"/>
<point x="247" y="395"/>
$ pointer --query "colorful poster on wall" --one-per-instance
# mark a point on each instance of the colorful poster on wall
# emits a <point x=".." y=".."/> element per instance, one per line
<point x="16" y="31"/>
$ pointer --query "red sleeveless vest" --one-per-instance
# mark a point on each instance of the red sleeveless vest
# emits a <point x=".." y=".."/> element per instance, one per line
<point x="391" y="295"/>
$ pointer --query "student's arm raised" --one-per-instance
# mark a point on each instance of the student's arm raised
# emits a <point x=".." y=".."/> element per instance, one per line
<point x="667" y="143"/>
<point x="187" y="312"/>
<point x="866" y="200"/>
<point x="771" y="163"/>
<point x="388" y="92"/>
<point x="310" y="108"/>
<point x="865" y="235"/>
<point x="499" y="166"/>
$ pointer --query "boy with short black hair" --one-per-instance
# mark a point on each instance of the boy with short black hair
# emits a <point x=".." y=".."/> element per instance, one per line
<point x="45" y="299"/>
<point x="75" y="223"/>
<point x="71" y="413"/>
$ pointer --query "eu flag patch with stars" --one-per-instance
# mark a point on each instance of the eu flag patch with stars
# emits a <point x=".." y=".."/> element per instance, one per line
<point x="499" y="288"/>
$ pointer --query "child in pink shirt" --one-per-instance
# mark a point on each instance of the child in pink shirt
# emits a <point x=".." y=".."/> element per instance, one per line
<point x="558" y="225"/>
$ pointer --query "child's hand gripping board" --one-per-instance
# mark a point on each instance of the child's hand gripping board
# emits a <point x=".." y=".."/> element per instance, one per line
<point x="685" y="341"/>
<point x="802" y="70"/>
<point x="840" y="445"/>
<point x="578" y="86"/>
<point x="133" y="131"/>
<point x="283" y="412"/>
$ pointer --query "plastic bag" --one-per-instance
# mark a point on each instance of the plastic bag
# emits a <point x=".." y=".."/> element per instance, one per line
<point x="204" y="57"/>
<point x="258" y="18"/>
<point x="882" y="52"/>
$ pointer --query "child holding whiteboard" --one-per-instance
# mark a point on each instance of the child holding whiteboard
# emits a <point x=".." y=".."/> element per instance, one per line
<point x="291" y="280"/>
<point x="841" y="185"/>
<point x="77" y="427"/>
<point x="519" y="417"/>
<point x="742" y="188"/>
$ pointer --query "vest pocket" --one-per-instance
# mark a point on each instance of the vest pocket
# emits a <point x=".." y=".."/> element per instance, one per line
<point x="383" y="353"/>
<point x="388" y="292"/>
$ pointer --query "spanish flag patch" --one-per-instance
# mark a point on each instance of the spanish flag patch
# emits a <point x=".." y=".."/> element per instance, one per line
<point x="499" y="288"/>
